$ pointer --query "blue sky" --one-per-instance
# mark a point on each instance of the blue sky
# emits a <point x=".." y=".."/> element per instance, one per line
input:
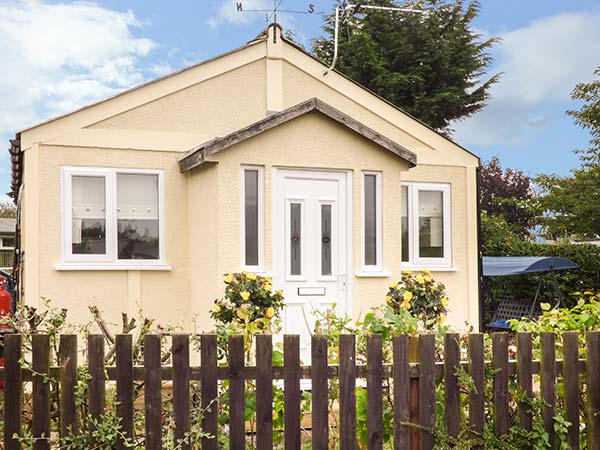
<point x="57" y="56"/>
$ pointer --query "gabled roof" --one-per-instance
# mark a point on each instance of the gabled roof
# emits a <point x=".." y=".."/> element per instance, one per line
<point x="198" y="155"/>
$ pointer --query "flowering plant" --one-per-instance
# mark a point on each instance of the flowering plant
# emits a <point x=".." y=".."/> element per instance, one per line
<point x="248" y="298"/>
<point x="420" y="295"/>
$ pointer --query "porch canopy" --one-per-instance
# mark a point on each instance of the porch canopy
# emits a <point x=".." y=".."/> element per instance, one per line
<point x="499" y="266"/>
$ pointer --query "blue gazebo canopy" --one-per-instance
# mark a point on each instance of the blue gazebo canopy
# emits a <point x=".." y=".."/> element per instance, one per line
<point x="498" y="266"/>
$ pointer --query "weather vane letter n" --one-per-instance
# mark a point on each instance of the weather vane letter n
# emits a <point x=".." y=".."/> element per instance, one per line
<point x="238" y="6"/>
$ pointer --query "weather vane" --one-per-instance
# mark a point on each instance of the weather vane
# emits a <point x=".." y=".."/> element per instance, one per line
<point x="272" y="13"/>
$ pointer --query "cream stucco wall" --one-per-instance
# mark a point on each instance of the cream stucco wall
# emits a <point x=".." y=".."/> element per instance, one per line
<point x="163" y="295"/>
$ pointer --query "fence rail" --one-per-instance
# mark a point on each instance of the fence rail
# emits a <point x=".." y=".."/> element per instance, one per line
<point x="413" y="387"/>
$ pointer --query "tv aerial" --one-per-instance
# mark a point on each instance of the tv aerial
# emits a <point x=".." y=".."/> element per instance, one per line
<point x="272" y="13"/>
<point x="354" y="8"/>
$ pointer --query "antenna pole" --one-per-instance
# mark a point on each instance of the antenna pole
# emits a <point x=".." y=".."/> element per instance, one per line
<point x="335" y="41"/>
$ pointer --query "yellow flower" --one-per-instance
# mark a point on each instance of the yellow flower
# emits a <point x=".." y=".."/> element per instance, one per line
<point x="268" y="287"/>
<point x="407" y="297"/>
<point x="228" y="278"/>
<point x="270" y="312"/>
<point x="444" y="301"/>
<point x="217" y="308"/>
<point x="407" y="272"/>
<point x="405" y="304"/>
<point x="280" y="293"/>
<point x="250" y="276"/>
<point x="419" y="279"/>
<point x="393" y="285"/>
<point x="268" y="280"/>
<point x="388" y="299"/>
<point x="442" y="319"/>
<point x="427" y="279"/>
<point x="245" y="295"/>
<point x="425" y="272"/>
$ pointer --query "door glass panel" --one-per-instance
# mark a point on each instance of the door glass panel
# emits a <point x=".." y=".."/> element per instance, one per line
<point x="404" y="216"/>
<point x="251" y="217"/>
<point x="295" y="239"/>
<point x="431" y="224"/>
<point x="370" y="220"/>
<point x="137" y="216"/>
<point x="88" y="225"/>
<point x="325" y="239"/>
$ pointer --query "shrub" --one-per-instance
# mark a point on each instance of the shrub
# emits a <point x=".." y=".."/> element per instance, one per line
<point x="420" y="295"/>
<point x="248" y="298"/>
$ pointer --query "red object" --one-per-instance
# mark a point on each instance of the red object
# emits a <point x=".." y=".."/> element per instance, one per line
<point x="5" y="303"/>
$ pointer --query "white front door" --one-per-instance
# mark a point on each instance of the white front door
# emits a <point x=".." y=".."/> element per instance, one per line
<point x="310" y="259"/>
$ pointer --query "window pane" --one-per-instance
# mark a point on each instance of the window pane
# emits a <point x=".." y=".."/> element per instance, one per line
<point x="404" y="215"/>
<point x="295" y="239"/>
<point x="370" y="209"/>
<point x="88" y="225"/>
<point x="137" y="216"/>
<point x="325" y="239"/>
<point x="8" y="242"/>
<point x="251" y="216"/>
<point x="431" y="224"/>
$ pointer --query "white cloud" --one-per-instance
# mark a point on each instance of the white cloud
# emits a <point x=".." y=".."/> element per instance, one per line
<point x="60" y="56"/>
<point x="541" y="63"/>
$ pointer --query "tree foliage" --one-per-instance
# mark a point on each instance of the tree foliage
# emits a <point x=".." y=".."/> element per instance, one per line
<point x="507" y="193"/>
<point x="8" y="209"/>
<point x="571" y="203"/>
<point x="431" y="65"/>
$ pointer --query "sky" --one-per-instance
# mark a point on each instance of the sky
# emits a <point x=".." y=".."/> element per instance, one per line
<point x="56" y="56"/>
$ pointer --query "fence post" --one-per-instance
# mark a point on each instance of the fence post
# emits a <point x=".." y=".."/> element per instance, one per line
<point x="571" y="380"/>
<point x="524" y="373"/>
<point x="347" y="392"/>
<point x="451" y="365"/>
<point x="548" y="381"/>
<point x="291" y="391"/>
<point x="208" y="385"/>
<point x="476" y="395"/>
<point x="96" y="386"/>
<point x="413" y="357"/>
<point x="152" y="391"/>
<point x="237" y="406"/>
<point x="264" y="392"/>
<point x="320" y="393"/>
<point x="427" y="389"/>
<point x="124" y="360"/>
<point x="374" y="392"/>
<point x="401" y="392"/>
<point x="181" y="389"/>
<point x="593" y="381"/>
<point x="13" y="390"/>
<point x="500" y="357"/>
<point x="68" y="360"/>
<point x="41" y="391"/>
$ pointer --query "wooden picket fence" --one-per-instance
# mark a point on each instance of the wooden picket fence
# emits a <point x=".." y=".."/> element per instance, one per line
<point x="413" y="387"/>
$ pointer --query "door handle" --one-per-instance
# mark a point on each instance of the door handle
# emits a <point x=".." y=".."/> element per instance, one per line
<point x="342" y="280"/>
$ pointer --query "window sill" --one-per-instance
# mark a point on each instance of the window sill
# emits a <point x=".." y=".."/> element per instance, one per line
<point x="125" y="267"/>
<point x="431" y="269"/>
<point x="374" y="274"/>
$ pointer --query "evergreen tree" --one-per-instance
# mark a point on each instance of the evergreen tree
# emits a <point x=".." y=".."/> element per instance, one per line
<point x="430" y="65"/>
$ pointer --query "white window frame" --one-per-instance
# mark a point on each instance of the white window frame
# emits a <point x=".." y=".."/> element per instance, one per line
<point x="110" y="260"/>
<point x="4" y="247"/>
<point x="260" y="268"/>
<point x="378" y="223"/>
<point x="414" y="260"/>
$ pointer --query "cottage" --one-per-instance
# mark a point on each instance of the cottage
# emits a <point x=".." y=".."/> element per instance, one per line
<point x="256" y="160"/>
